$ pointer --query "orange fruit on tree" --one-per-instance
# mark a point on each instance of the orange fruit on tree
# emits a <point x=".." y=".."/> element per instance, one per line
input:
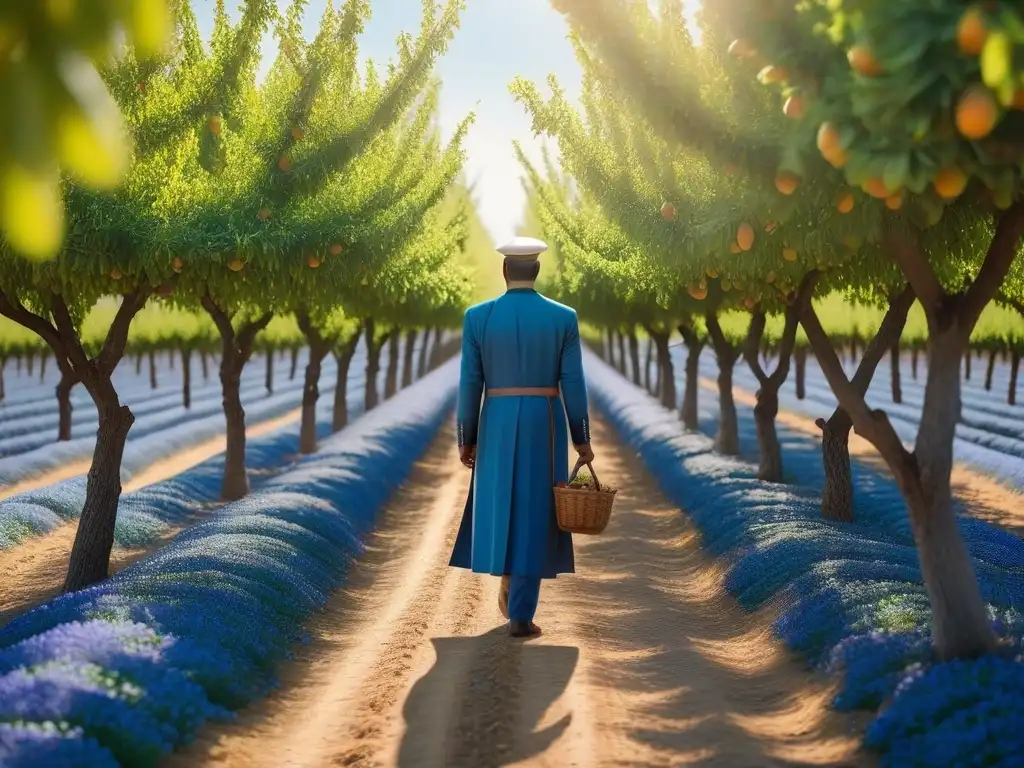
<point x="711" y="272"/>
<point x="749" y="303"/>
<point x="863" y="62"/>
<point x="1018" y="99"/>
<point x="971" y="32"/>
<point x="734" y="247"/>
<point x="177" y="264"/>
<point x="830" y="146"/>
<point x="115" y="274"/>
<point x="335" y="249"/>
<point x="894" y="202"/>
<point x="793" y="108"/>
<point x="772" y="74"/>
<point x="285" y="163"/>
<point x="769" y="227"/>
<point x="845" y="203"/>
<point x="745" y="237"/>
<point x="876" y="188"/>
<point x="699" y="291"/>
<point x="789" y="254"/>
<point x="215" y="126"/>
<point x="313" y="261"/>
<point x="950" y="182"/>
<point x="976" y="113"/>
<point x="264" y="213"/>
<point x="297" y="134"/>
<point x="741" y="48"/>
<point x="786" y="182"/>
<point x="668" y="211"/>
<point x="235" y="265"/>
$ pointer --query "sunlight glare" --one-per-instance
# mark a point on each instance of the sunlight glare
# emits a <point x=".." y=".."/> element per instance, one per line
<point x="691" y="8"/>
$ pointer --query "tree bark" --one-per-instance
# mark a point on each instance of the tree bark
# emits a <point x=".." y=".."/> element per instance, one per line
<point x="894" y="376"/>
<point x="609" y="352"/>
<point x="1011" y="395"/>
<point x="31" y="363"/>
<point x="394" y="354"/>
<point x="205" y="361"/>
<point x="373" y="346"/>
<point x="409" y="358"/>
<point x="435" y="352"/>
<point x="666" y="370"/>
<point x="43" y="360"/>
<point x="622" y="352"/>
<point x="268" y="379"/>
<point x="186" y="377"/>
<point x="153" y="383"/>
<point x="915" y="353"/>
<point x="990" y="369"/>
<point x="800" y="371"/>
<point x="3" y="387"/>
<point x="236" y="346"/>
<point x="343" y="354"/>
<point x="64" y="407"/>
<point x="634" y="355"/>
<point x="967" y="364"/>
<point x="138" y="364"/>
<point x="648" y="360"/>
<point x="421" y="365"/>
<point x="295" y="364"/>
<point x="727" y="440"/>
<point x="691" y="385"/>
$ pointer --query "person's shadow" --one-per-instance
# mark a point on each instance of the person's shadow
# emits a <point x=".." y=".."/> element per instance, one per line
<point x="480" y="704"/>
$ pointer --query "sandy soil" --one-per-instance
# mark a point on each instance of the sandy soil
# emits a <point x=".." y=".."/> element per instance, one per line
<point x="984" y="496"/>
<point x="644" y="660"/>
<point x="34" y="571"/>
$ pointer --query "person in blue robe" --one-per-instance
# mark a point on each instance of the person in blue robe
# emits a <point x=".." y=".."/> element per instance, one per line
<point x="521" y="356"/>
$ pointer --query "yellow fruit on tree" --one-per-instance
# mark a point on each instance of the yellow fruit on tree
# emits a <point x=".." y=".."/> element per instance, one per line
<point x="668" y="211"/>
<point x="971" y="32"/>
<point x="789" y="254"/>
<point x="772" y="74"/>
<point x="950" y="182"/>
<point x="769" y="227"/>
<point x="734" y="247"/>
<point x="845" y="203"/>
<point x="769" y="278"/>
<point x="793" y="108"/>
<point x="313" y="261"/>
<point x="745" y="237"/>
<point x="976" y="113"/>
<point x="786" y="183"/>
<point x="712" y="273"/>
<point x="235" y="265"/>
<point x="726" y="285"/>
<point x="863" y="61"/>
<point x="741" y="48"/>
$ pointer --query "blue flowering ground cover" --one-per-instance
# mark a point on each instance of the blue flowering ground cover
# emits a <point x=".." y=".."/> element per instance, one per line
<point x="122" y="672"/>
<point x="851" y="595"/>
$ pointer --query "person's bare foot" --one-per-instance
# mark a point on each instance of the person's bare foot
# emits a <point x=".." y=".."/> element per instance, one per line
<point x="523" y="629"/>
<point x="506" y="585"/>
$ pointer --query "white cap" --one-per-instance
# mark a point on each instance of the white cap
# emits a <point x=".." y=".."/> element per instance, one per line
<point x="523" y="248"/>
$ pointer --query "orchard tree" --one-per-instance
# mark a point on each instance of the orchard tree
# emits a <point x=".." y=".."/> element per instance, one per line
<point x="940" y="169"/>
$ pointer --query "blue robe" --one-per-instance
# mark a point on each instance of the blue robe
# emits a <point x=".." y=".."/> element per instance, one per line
<point x="520" y="339"/>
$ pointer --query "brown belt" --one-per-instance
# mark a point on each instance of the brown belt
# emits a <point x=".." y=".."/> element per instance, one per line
<point x="523" y="392"/>
<point x="548" y="392"/>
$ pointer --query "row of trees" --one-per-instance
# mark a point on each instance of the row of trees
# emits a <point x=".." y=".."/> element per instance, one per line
<point x="317" y="193"/>
<point x="800" y="149"/>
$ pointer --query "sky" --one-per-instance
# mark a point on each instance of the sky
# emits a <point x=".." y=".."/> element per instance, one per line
<point x="497" y="40"/>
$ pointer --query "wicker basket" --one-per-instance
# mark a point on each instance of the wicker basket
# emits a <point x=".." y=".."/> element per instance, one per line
<point x="583" y="510"/>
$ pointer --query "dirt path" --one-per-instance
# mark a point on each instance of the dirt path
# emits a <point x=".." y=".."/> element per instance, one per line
<point x="644" y="660"/>
<point x="34" y="570"/>
<point x="985" y="497"/>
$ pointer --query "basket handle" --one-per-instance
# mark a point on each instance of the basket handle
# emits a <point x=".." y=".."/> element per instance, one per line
<point x="580" y="463"/>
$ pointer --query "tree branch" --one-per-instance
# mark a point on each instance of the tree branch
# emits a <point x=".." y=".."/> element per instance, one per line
<point x="913" y="261"/>
<point x="889" y="330"/>
<point x="69" y="335"/>
<point x="220" y="318"/>
<point x="16" y="312"/>
<point x="1014" y="304"/>
<point x="788" y="341"/>
<point x="752" y="345"/>
<point x="248" y="332"/>
<point x="691" y="338"/>
<point x="724" y="350"/>
<point x="998" y="259"/>
<point x="117" y="335"/>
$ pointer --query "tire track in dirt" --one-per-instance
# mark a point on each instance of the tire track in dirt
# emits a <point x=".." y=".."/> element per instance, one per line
<point x="644" y="660"/>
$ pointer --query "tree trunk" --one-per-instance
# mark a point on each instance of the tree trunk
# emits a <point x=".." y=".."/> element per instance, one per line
<point x="666" y="371"/>
<point x="138" y="364"/>
<point x="394" y="354"/>
<point x="235" y="483"/>
<point x="90" y="555"/>
<point x="967" y="364"/>
<point x="853" y="348"/>
<point x="310" y="395"/>
<point x="915" y="353"/>
<point x="409" y="358"/>
<point x="622" y="352"/>
<point x="170" y="359"/>
<point x="894" y="378"/>
<point x="609" y="350"/>
<point x="837" y="493"/>
<point x="648" y="360"/>
<point x="373" y="347"/>
<point x="800" y="371"/>
<point x="3" y="387"/>
<point x="634" y="356"/>
<point x="31" y="363"/>
<point x="691" y="383"/>
<point x="205" y="361"/>
<point x="990" y="369"/>
<point x="153" y="384"/>
<point x="435" y="352"/>
<point x="1011" y="396"/>
<point x="186" y="377"/>
<point x="64" y="407"/>
<point x="769" y="450"/>
<point x="421" y="365"/>
<point x="43" y="359"/>
<point x="295" y="364"/>
<point x="268" y="380"/>
<point x="727" y="440"/>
